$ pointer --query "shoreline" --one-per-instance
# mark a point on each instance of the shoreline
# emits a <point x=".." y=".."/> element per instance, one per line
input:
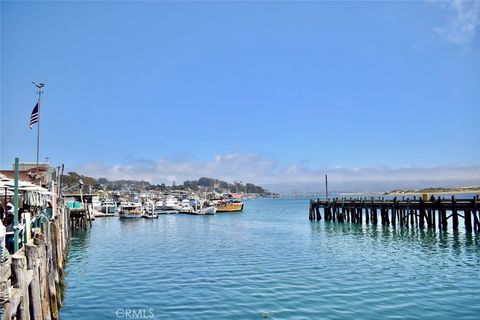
<point x="410" y="193"/>
<point x="415" y="193"/>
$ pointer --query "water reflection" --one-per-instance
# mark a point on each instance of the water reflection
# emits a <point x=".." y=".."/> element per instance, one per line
<point x="429" y="238"/>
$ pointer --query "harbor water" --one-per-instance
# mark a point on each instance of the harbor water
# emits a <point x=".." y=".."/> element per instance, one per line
<point x="269" y="262"/>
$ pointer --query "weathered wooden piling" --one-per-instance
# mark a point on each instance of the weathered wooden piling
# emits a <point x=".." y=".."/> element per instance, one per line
<point x="468" y="220"/>
<point x="431" y="213"/>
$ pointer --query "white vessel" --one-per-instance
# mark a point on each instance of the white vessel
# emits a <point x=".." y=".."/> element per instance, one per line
<point x="108" y="208"/>
<point x="130" y="211"/>
<point x="208" y="210"/>
<point x="158" y="208"/>
<point x="170" y="205"/>
<point x="186" y="206"/>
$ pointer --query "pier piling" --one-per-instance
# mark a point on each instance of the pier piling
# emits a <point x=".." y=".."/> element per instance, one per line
<point x="406" y="212"/>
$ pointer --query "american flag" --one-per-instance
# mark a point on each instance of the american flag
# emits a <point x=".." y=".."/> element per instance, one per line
<point x="34" y="116"/>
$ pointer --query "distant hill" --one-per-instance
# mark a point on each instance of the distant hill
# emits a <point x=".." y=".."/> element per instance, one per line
<point x="219" y="184"/>
<point x="470" y="189"/>
<point x="71" y="180"/>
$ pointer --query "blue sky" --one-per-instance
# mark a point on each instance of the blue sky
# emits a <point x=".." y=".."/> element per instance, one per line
<point x="256" y="91"/>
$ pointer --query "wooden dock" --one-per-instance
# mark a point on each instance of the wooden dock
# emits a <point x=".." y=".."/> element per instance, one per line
<point x="31" y="279"/>
<point x="405" y="212"/>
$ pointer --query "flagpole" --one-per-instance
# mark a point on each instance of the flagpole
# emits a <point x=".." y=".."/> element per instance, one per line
<point x="38" y="127"/>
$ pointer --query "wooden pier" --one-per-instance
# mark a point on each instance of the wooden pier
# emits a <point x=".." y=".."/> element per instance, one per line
<point x="417" y="212"/>
<point x="31" y="279"/>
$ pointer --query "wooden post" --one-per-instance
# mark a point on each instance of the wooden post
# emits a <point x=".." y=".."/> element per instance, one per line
<point x="360" y="212"/>
<point x="31" y="252"/>
<point x="310" y="211"/>
<point x="407" y="212"/>
<point x="468" y="220"/>
<point x="434" y="208"/>
<point x="476" y="221"/>
<point x="454" y="214"/>
<point x="382" y="213"/>
<point x="21" y="281"/>
<point x="16" y="240"/>
<point x="429" y="218"/>
<point x="440" y="216"/>
<point x="317" y="210"/>
<point x="444" y="215"/>
<point x="39" y="241"/>
<point x="394" y="212"/>
<point x="354" y="211"/>
<point x="422" y="213"/>
<point x="335" y="210"/>
<point x="412" y="217"/>
<point x="52" y="270"/>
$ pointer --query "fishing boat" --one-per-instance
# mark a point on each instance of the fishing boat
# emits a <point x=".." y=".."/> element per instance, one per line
<point x="229" y="205"/>
<point x="108" y="209"/>
<point x="130" y="211"/>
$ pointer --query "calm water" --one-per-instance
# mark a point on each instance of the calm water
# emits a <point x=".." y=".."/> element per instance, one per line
<point x="269" y="262"/>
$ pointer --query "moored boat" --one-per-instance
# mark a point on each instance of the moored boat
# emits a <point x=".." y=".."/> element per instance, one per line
<point x="186" y="206"/>
<point x="130" y="211"/>
<point x="207" y="210"/>
<point x="170" y="206"/>
<point x="150" y="215"/>
<point x="108" y="209"/>
<point x="229" y="205"/>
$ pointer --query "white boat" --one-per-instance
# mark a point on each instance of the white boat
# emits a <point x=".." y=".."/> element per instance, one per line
<point x="130" y="211"/>
<point x="170" y="205"/>
<point x="149" y="207"/>
<point x="158" y="208"/>
<point x="208" y="210"/>
<point x="108" y="209"/>
<point x="152" y="215"/>
<point x="96" y="203"/>
<point x="186" y="207"/>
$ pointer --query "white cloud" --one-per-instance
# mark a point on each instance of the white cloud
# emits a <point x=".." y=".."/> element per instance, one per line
<point x="463" y="21"/>
<point x="294" y="177"/>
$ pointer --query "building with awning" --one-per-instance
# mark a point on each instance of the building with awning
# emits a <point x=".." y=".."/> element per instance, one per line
<point x="30" y="194"/>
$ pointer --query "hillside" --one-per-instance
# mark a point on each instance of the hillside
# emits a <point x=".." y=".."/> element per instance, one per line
<point x="71" y="181"/>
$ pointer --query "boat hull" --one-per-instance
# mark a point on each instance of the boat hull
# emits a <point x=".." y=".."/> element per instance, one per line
<point x="230" y="207"/>
<point x="207" y="211"/>
<point x="150" y="216"/>
<point x="130" y="216"/>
